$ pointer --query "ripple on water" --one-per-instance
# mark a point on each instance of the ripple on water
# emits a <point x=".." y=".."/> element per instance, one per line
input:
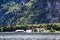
<point x="29" y="37"/>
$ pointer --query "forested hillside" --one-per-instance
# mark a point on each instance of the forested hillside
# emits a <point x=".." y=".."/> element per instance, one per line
<point x="15" y="12"/>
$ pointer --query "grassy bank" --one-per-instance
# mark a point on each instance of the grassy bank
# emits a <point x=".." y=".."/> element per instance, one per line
<point x="54" y="26"/>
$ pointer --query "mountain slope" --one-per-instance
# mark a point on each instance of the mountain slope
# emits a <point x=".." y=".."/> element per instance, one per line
<point x="29" y="12"/>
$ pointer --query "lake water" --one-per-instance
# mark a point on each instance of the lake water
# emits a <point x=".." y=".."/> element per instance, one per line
<point x="30" y="36"/>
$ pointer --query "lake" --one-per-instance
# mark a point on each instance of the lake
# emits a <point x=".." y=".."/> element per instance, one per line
<point x="29" y="36"/>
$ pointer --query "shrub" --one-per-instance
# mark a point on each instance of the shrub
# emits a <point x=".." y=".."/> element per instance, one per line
<point x="52" y="30"/>
<point x="35" y="30"/>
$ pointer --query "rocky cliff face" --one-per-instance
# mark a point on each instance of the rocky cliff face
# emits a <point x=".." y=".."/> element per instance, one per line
<point x="14" y="12"/>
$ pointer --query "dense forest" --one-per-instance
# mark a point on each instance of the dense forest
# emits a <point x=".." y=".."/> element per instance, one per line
<point x="17" y="12"/>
